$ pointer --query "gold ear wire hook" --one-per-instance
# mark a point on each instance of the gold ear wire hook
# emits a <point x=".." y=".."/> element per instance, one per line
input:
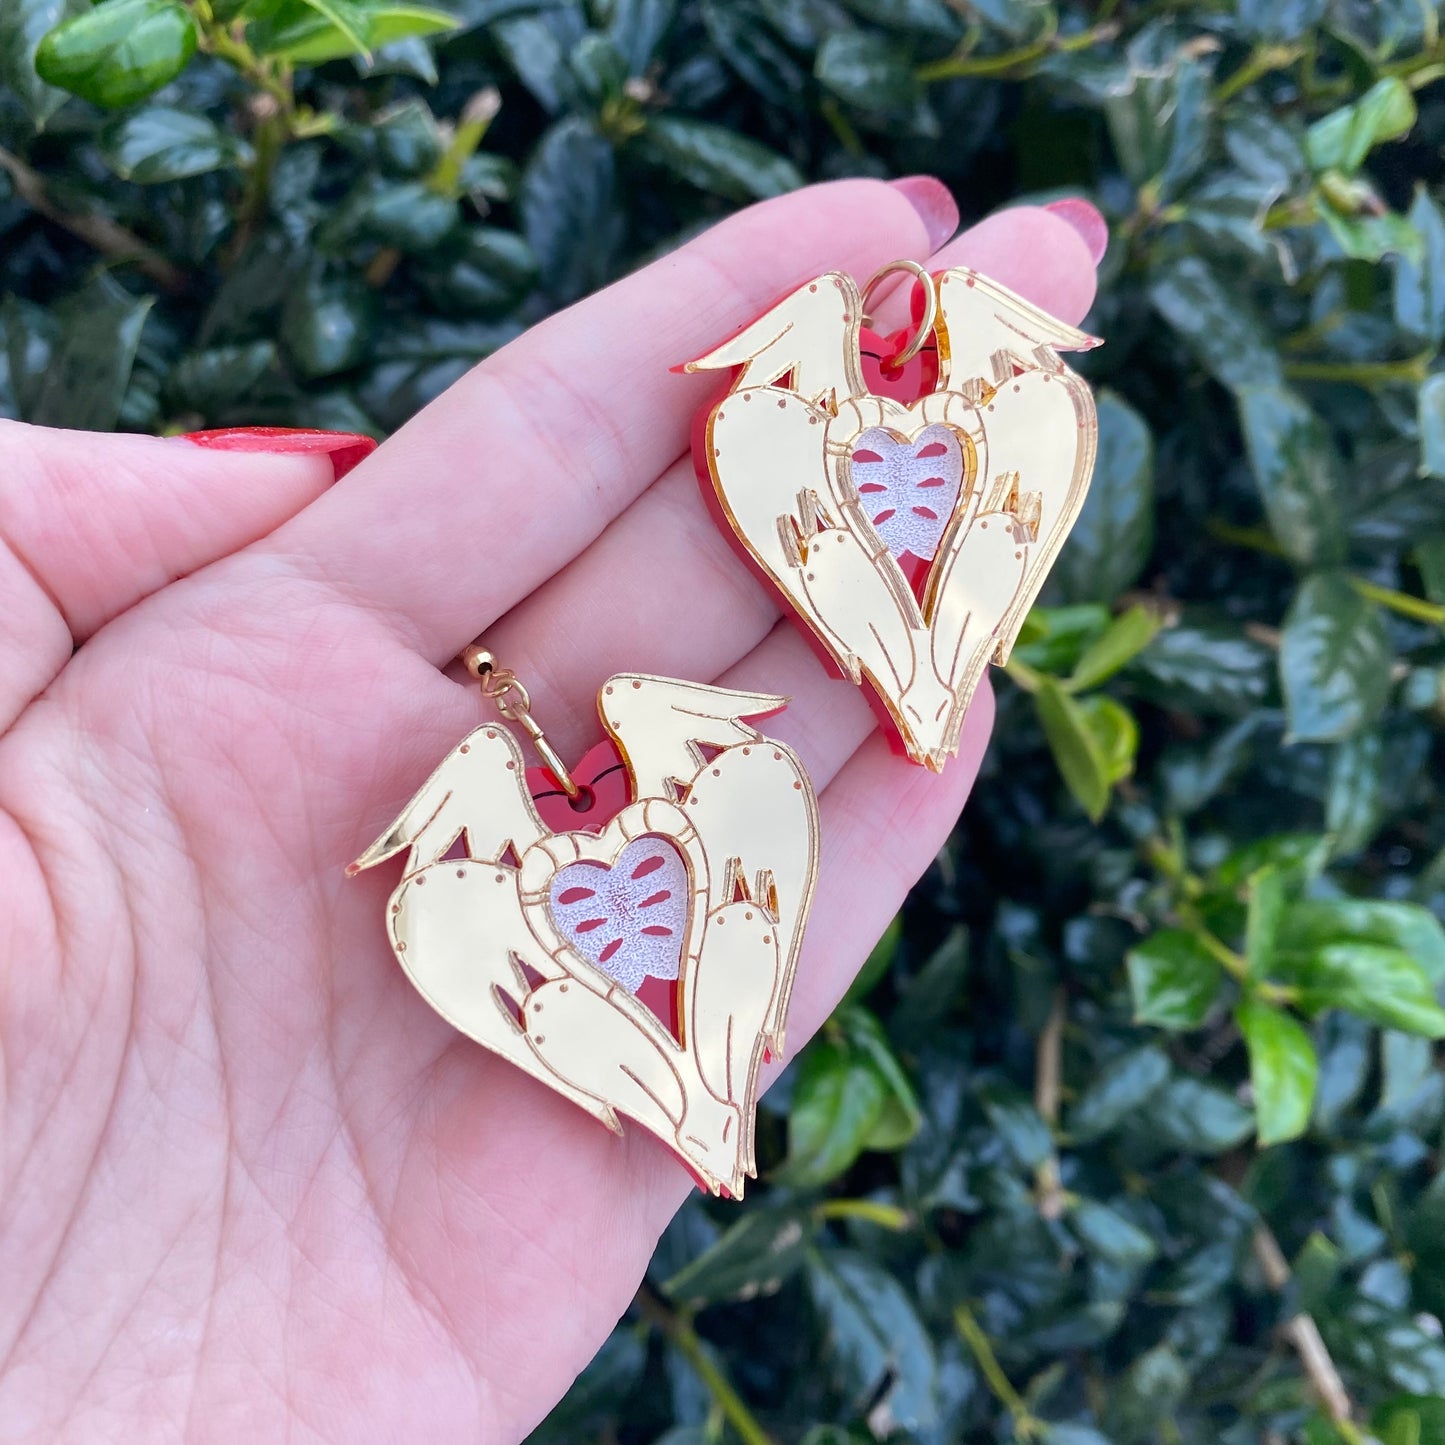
<point x="504" y="688"/>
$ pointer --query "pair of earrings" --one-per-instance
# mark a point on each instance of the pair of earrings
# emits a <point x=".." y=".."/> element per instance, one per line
<point x="905" y="497"/>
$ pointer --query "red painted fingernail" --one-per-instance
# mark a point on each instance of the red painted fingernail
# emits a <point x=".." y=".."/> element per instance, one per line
<point x="934" y="203"/>
<point x="346" y="449"/>
<point x="1086" y="219"/>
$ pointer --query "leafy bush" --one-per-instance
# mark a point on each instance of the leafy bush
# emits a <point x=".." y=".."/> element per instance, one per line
<point x="1131" y="1129"/>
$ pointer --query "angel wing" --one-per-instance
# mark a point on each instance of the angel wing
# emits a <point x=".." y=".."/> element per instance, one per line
<point x="478" y="790"/>
<point x="807" y="343"/>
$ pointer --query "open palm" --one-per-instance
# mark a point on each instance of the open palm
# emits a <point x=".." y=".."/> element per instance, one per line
<point x="250" y="1186"/>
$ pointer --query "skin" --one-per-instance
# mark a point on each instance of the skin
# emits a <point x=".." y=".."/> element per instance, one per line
<point x="250" y="1186"/>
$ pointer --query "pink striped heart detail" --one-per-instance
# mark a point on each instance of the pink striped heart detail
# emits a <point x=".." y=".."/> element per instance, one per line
<point x="909" y="487"/>
<point x="627" y="919"/>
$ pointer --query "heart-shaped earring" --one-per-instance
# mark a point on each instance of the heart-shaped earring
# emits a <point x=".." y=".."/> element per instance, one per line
<point x="628" y="937"/>
<point x="905" y="496"/>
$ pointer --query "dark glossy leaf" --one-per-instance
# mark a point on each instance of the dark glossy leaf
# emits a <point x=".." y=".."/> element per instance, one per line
<point x="878" y="962"/>
<point x="484" y="274"/>
<point x="1420" y="280"/>
<point x="1431" y="413"/>
<point x="537" y="46"/>
<point x="84" y="364"/>
<point x="872" y="1335"/>
<point x="409" y="215"/>
<point x="868" y="72"/>
<point x="1174" y="980"/>
<point x="567" y="201"/>
<point x="1298" y="472"/>
<point x="1147" y="1396"/>
<point x="1354" y="803"/>
<point x="1204" y="666"/>
<point x="1108" y="1234"/>
<point x="327" y="325"/>
<point x="158" y="144"/>
<point x="717" y="159"/>
<point x="758" y="1253"/>
<point x="1217" y="323"/>
<point x="637" y="28"/>
<point x="1015" y="1121"/>
<point x="23" y="24"/>
<point x="1197" y="1117"/>
<point x="745" y="43"/>
<point x="207" y="381"/>
<point x="1120" y="1088"/>
<point x="1111" y="541"/>
<point x="1334" y="660"/>
<point x="119" y="52"/>
<point x="1283" y="1070"/>
<point x="1160" y="125"/>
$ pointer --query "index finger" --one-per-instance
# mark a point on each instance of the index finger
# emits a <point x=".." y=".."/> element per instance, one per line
<point x="514" y="470"/>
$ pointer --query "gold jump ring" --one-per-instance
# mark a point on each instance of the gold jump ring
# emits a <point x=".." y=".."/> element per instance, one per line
<point x="921" y="274"/>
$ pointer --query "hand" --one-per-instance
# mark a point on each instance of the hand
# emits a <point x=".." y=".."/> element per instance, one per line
<point x="251" y="1187"/>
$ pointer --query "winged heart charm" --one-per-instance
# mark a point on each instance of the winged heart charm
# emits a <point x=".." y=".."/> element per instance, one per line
<point x="908" y="527"/>
<point x="642" y="966"/>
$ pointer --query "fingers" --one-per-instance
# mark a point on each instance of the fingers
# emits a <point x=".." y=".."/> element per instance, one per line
<point x="661" y="589"/>
<point x="90" y="524"/>
<point x="511" y="473"/>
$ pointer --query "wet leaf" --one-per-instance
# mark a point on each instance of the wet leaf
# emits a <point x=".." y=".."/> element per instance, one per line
<point x="119" y="52"/>
<point x="158" y="144"/>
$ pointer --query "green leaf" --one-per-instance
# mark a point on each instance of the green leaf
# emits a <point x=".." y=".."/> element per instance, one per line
<point x="1283" y="1070"/>
<point x="1053" y="639"/>
<point x="757" y="1255"/>
<point x="1334" y="660"/>
<point x="1377" y="982"/>
<point x="1174" y="979"/>
<point x="717" y="159"/>
<point x="1419" y="288"/>
<point x="1115" y="733"/>
<point x="155" y="145"/>
<point x="1075" y="748"/>
<point x="1431" y="414"/>
<point x="1147" y="1396"/>
<point x="1111" y="541"/>
<point x="23" y="23"/>
<point x="1298" y="471"/>
<point x="901" y="1115"/>
<point x="119" y="52"/>
<point x="1128" y="636"/>
<point x="1410" y="1420"/>
<point x="1262" y="922"/>
<point x="1342" y="139"/>
<point x="486" y="272"/>
<point x="837" y="1102"/>
<point x="218" y="377"/>
<point x="1311" y="923"/>
<point x="1118" y="1089"/>
<point x="301" y="32"/>
<point x="327" y="325"/>
<point x="1218" y="324"/>
<point x="873" y="1341"/>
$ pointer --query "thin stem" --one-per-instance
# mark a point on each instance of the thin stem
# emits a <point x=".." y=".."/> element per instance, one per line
<point x="1362" y="373"/>
<point x="1304" y="1335"/>
<point x="1048" y="1071"/>
<point x="99" y="232"/>
<point x="1265" y="59"/>
<point x="973" y="1336"/>
<point x="1257" y="539"/>
<point x="1401" y="602"/>
<point x="887" y="1216"/>
<point x="678" y="1328"/>
<point x="1012" y="64"/>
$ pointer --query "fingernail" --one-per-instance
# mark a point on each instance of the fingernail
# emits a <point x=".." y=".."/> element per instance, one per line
<point x="346" y="449"/>
<point x="1086" y="219"/>
<point x="934" y="203"/>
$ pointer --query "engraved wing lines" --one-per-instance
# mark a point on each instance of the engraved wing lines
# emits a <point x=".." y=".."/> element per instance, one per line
<point x="776" y="460"/>
<point x="480" y="937"/>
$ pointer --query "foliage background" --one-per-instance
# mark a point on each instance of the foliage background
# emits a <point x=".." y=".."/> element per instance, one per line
<point x="1132" y="1128"/>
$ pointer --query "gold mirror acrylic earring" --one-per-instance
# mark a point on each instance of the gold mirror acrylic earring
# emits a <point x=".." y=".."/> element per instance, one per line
<point x="628" y="933"/>
<point x="905" y="495"/>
